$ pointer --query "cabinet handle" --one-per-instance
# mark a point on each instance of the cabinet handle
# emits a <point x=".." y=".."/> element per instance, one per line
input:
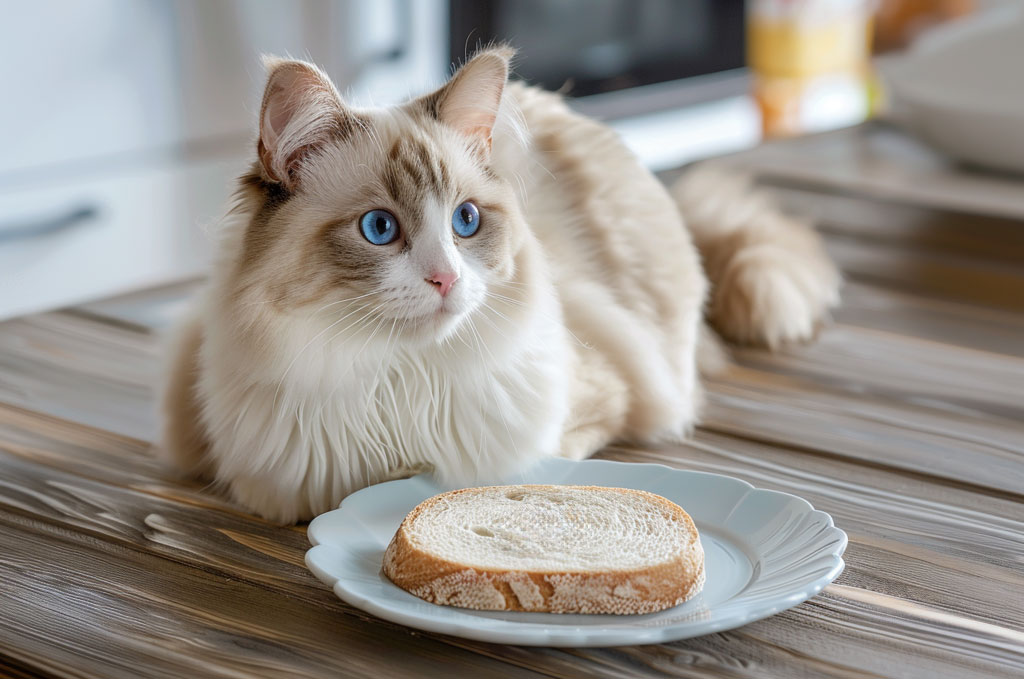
<point x="47" y="225"/>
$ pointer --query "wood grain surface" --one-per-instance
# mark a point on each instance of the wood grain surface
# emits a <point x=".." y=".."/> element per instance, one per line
<point x="903" y="421"/>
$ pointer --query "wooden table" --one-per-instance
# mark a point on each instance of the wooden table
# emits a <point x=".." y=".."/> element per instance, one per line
<point x="904" y="421"/>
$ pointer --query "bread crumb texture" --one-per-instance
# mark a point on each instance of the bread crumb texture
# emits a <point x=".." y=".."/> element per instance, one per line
<point x="557" y="549"/>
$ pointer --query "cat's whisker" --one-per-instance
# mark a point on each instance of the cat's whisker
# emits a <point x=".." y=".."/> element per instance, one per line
<point x="522" y="186"/>
<point x="307" y="345"/>
<point x="544" y="167"/>
<point x="377" y="391"/>
<point x="281" y="299"/>
<point x="544" y="314"/>
<point x="449" y="345"/>
<point x="355" y="325"/>
<point x="487" y="306"/>
<point x="500" y="410"/>
<point x="513" y="292"/>
<point x="506" y="298"/>
<point x="515" y="303"/>
<point x="367" y="318"/>
<point x="483" y="432"/>
<point x="500" y="332"/>
<point x="514" y="288"/>
<point x="387" y="347"/>
<point x="494" y="326"/>
<point x="519" y="303"/>
<point x="381" y="319"/>
<point x="264" y="301"/>
<point x="481" y="448"/>
<point x="378" y="315"/>
<point x="401" y="328"/>
<point x="510" y="300"/>
<point x="374" y="391"/>
<point x="341" y="301"/>
<point x="462" y="339"/>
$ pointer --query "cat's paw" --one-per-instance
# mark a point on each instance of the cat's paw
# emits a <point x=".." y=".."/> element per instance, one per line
<point x="768" y="295"/>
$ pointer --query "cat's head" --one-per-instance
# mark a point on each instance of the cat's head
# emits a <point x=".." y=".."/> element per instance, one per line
<point x="391" y="218"/>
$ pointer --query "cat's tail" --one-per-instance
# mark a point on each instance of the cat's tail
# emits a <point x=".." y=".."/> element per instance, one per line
<point x="771" y="280"/>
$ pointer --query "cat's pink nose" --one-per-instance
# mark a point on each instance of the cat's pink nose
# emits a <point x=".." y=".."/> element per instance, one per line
<point x="444" y="280"/>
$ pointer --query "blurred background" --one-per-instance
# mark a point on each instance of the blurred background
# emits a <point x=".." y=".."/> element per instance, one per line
<point x="124" y="121"/>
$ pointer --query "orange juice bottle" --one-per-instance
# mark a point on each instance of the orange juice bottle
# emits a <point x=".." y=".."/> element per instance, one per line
<point x="810" y="62"/>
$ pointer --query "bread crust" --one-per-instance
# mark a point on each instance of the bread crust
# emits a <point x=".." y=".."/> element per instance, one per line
<point x="620" y="592"/>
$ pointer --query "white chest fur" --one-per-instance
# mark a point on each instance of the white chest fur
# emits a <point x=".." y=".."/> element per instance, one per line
<point x="296" y="439"/>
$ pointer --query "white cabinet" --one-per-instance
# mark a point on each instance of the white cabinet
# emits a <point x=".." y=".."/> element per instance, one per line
<point x="98" y="236"/>
<point x="84" y="80"/>
<point x="108" y="80"/>
<point x="122" y="122"/>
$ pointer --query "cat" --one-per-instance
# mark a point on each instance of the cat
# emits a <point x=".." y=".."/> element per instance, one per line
<point x="465" y="283"/>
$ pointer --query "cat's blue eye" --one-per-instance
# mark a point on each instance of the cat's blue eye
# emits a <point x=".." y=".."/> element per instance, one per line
<point x="379" y="227"/>
<point x="466" y="219"/>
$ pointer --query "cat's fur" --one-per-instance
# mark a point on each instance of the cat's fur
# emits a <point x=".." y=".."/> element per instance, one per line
<point x="318" y="363"/>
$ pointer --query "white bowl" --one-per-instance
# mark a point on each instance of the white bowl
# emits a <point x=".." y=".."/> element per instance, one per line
<point x="961" y="89"/>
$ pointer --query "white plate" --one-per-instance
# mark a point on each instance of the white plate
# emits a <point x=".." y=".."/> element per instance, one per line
<point x="765" y="552"/>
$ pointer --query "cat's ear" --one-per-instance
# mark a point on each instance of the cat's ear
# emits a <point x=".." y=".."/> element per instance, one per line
<point x="469" y="102"/>
<point x="301" y="110"/>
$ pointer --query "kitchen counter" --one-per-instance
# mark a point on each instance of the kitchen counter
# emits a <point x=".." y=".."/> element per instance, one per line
<point x="904" y="421"/>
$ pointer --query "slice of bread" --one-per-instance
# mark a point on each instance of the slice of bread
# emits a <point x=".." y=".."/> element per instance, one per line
<point x="558" y="549"/>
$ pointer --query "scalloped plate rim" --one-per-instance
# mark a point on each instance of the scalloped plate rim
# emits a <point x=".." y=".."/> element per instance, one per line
<point x="531" y="633"/>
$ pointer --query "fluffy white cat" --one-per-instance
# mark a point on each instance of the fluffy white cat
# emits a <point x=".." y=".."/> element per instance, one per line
<point x="464" y="283"/>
